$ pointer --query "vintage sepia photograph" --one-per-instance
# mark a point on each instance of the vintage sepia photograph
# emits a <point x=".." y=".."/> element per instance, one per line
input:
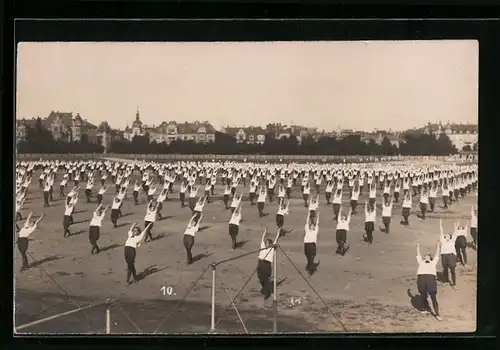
<point x="246" y="187"/>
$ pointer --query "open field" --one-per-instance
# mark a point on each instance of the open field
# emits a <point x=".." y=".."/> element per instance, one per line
<point x="367" y="289"/>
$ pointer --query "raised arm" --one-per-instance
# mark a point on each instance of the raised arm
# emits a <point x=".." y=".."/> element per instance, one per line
<point x="199" y="221"/>
<point x="29" y="218"/>
<point x="436" y="255"/>
<point x="131" y="229"/>
<point x="143" y="233"/>
<point x="419" y="256"/>
<point x="277" y="236"/>
<point x="317" y="221"/>
<point x="104" y="211"/>
<point x="441" y="233"/>
<point x="97" y="209"/>
<point x="39" y="219"/>
<point x="349" y="215"/>
<point x="191" y="220"/>
<point x="262" y="238"/>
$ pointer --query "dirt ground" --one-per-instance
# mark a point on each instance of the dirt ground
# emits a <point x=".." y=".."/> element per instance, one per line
<point x="371" y="289"/>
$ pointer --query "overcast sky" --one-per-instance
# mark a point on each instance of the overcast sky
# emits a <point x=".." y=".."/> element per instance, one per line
<point x="355" y="85"/>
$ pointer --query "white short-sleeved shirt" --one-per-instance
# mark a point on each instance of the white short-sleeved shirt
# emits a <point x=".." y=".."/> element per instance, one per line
<point x="311" y="236"/>
<point x="266" y="253"/>
<point x="191" y="231"/>
<point x="26" y="231"/>
<point x="235" y="219"/>
<point x="448" y="246"/>
<point x="96" y="220"/>
<point x="426" y="268"/>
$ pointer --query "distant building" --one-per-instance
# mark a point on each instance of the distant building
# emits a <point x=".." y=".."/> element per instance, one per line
<point x="460" y="135"/>
<point x="379" y="135"/>
<point x="63" y="126"/>
<point x="250" y="135"/>
<point x="166" y="132"/>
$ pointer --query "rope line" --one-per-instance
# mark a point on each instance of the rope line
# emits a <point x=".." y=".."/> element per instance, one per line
<point x="237" y="257"/>
<point x="65" y="293"/>
<point x="234" y="306"/>
<point x="314" y="290"/>
<point x="127" y="316"/>
<point x="182" y="300"/>
<point x="34" y="323"/>
<point x="241" y="289"/>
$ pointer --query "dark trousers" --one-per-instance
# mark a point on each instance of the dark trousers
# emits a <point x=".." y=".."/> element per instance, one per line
<point x="114" y="216"/>
<point x="264" y="271"/>
<point x="280" y="220"/>
<point x="149" y="235"/>
<point x="449" y="263"/>
<point x="423" y="209"/>
<point x="260" y="207"/>
<point x="93" y="238"/>
<point x="396" y="197"/>
<point x="328" y="196"/>
<point x="305" y="197"/>
<point x="354" y="204"/>
<point x="233" y="233"/>
<point x="226" y="201"/>
<point x="445" y="201"/>
<point x="61" y="191"/>
<point x="66" y="223"/>
<point x="99" y="198"/>
<point x="188" y="241"/>
<point x="473" y="233"/>
<point x="405" y="212"/>
<point x="461" y="249"/>
<point x="336" y="211"/>
<point x="310" y="253"/>
<point x="192" y="203"/>
<point x="130" y="260"/>
<point x="22" y="245"/>
<point x="386" y="220"/>
<point x="369" y="228"/>
<point x="88" y="194"/>
<point x="135" y="195"/>
<point x="432" y="203"/>
<point x="45" y="198"/>
<point x="426" y="285"/>
<point x="341" y="238"/>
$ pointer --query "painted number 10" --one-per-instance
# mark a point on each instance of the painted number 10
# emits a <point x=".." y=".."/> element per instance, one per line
<point x="167" y="291"/>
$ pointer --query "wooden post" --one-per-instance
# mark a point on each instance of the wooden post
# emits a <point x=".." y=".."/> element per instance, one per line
<point x="212" y="321"/>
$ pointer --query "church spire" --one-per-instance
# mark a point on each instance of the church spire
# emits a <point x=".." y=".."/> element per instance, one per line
<point x="137" y="114"/>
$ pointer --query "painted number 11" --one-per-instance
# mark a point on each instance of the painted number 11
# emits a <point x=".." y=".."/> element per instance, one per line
<point x="167" y="290"/>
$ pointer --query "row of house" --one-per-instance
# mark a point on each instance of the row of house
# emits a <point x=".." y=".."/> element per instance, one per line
<point x="460" y="135"/>
<point x="66" y="127"/>
<point x="70" y="128"/>
<point x="199" y="132"/>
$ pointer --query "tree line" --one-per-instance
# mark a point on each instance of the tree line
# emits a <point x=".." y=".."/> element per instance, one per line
<point x="40" y="140"/>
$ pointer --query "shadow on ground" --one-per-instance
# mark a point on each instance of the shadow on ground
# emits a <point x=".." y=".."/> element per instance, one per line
<point x="144" y="316"/>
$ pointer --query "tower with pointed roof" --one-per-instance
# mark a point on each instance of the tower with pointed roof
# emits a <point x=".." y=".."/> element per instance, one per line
<point x="137" y="124"/>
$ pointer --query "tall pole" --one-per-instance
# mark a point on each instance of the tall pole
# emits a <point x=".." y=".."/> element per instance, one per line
<point x="108" y="319"/>
<point x="212" y="322"/>
<point x="275" y="302"/>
